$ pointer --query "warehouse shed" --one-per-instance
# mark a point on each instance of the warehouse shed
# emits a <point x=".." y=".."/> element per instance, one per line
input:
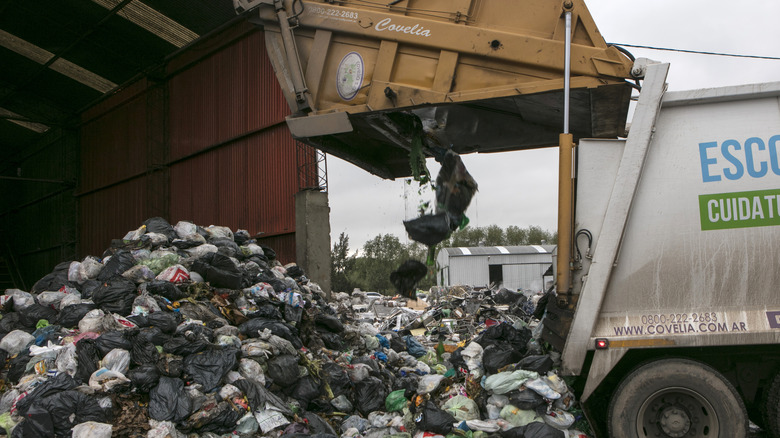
<point x="513" y="267"/>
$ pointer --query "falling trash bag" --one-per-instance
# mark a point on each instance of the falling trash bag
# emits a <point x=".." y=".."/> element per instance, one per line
<point x="429" y="229"/>
<point x="407" y="275"/>
<point x="454" y="188"/>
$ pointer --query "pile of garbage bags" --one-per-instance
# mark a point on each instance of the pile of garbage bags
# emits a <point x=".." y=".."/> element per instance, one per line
<point x="185" y="331"/>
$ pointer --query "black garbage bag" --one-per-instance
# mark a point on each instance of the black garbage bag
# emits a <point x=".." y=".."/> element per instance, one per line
<point x="152" y="334"/>
<point x="283" y="369"/>
<point x="406" y="277"/>
<point x="10" y="322"/>
<point x="455" y="187"/>
<point x="37" y="423"/>
<point x="143" y="350"/>
<point x="429" y="229"/>
<point x="332" y="341"/>
<point x="168" y="401"/>
<point x="242" y="237"/>
<point x="540" y="364"/>
<point x="56" y="414"/>
<point x="111" y="340"/>
<point x="29" y="316"/>
<point x="88" y="357"/>
<point x="293" y="314"/>
<point x="54" y="280"/>
<point x="526" y="399"/>
<point x="433" y="419"/>
<point x="295" y="272"/>
<point x="306" y="390"/>
<point x="210" y="366"/>
<point x="498" y="355"/>
<point x="533" y="430"/>
<point x="397" y="344"/>
<point x="17" y="366"/>
<point x="370" y="395"/>
<point x="165" y="321"/>
<point x="226" y="246"/>
<point x="220" y="419"/>
<point x="180" y="345"/>
<point x="120" y="262"/>
<point x="337" y="379"/>
<point x="329" y="323"/>
<point x="268" y="252"/>
<point x="165" y="289"/>
<point x="318" y="426"/>
<point x="506" y="296"/>
<point x="60" y="382"/>
<point x="366" y="360"/>
<point x="254" y="326"/>
<point x="171" y="366"/>
<point x="258" y="396"/>
<point x="70" y="315"/>
<point x="409" y="383"/>
<point x="160" y="226"/>
<point x="219" y="270"/>
<point x="266" y="310"/>
<point x="144" y="377"/>
<point x="456" y="359"/>
<point x="505" y="332"/>
<point x="115" y="295"/>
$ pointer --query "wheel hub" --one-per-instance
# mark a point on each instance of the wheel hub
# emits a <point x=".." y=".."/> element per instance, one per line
<point x="675" y="422"/>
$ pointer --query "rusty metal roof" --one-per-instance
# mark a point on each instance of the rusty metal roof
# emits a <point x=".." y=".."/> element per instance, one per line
<point x="59" y="57"/>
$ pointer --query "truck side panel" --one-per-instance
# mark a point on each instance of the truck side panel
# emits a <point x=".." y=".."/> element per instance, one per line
<point x="698" y="263"/>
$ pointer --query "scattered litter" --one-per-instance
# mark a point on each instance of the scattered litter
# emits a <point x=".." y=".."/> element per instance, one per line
<point x="199" y="331"/>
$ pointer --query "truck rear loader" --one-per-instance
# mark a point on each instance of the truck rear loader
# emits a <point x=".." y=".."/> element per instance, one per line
<point x="666" y="303"/>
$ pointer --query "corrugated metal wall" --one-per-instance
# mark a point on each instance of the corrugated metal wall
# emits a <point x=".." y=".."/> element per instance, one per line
<point x="206" y="145"/>
<point x="38" y="219"/>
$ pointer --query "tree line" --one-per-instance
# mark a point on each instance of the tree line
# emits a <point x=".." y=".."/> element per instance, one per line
<point x="369" y="269"/>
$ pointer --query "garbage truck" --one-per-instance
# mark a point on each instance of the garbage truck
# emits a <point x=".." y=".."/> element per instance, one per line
<point x="666" y="306"/>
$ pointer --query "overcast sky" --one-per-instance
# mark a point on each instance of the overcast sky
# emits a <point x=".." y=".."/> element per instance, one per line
<point x="520" y="188"/>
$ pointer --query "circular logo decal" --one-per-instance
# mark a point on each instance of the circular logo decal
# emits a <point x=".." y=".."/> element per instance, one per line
<point x="349" y="76"/>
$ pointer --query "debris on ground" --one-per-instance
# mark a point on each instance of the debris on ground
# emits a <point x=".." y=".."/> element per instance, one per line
<point x="191" y="331"/>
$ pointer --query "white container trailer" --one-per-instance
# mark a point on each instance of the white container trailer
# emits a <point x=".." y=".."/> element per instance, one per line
<point x="519" y="268"/>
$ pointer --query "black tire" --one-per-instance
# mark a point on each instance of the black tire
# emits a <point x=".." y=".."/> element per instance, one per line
<point x="770" y="408"/>
<point x="676" y="398"/>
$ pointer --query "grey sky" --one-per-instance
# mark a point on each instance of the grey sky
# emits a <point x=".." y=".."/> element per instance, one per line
<point x="520" y="188"/>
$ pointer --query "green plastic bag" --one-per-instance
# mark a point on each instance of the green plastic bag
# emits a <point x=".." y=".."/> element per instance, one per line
<point x="429" y="358"/>
<point x="462" y="408"/>
<point x="159" y="264"/>
<point x="7" y="423"/>
<point x="395" y="401"/>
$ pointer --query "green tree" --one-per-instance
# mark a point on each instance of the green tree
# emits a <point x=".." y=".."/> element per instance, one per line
<point x="494" y="236"/>
<point x="381" y="256"/>
<point x="536" y="235"/>
<point x="342" y="264"/>
<point x="516" y="236"/>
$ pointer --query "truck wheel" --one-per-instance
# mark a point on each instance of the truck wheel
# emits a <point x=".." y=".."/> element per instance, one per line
<point x="770" y="408"/>
<point x="676" y="398"/>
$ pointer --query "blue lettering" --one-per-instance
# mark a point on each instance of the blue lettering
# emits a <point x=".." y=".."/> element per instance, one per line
<point x="706" y="162"/>
<point x="751" y="165"/>
<point x="773" y="154"/>
<point x="738" y="169"/>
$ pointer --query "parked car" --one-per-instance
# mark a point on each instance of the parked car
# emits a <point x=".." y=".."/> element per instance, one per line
<point x="373" y="296"/>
